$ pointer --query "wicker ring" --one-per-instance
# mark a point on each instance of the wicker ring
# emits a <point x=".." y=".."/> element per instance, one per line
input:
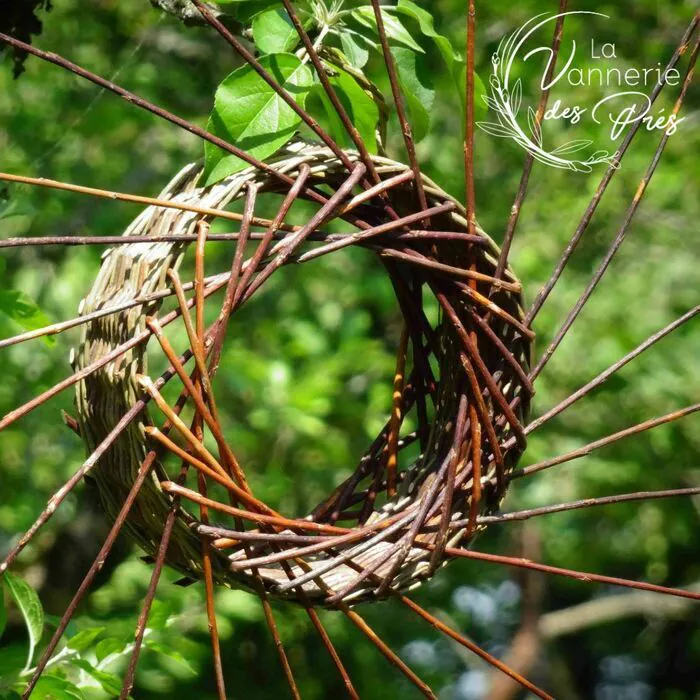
<point x="466" y="379"/>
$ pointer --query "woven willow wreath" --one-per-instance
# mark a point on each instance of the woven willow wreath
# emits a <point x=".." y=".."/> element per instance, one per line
<point x="385" y="527"/>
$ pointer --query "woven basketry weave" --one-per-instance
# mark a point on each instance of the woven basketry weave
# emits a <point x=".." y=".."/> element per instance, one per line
<point x="398" y="533"/>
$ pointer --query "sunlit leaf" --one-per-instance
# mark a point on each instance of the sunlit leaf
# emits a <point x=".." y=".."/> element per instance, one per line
<point x="361" y="108"/>
<point x="108" y="646"/>
<point x="355" y="50"/>
<point x="273" y="32"/>
<point x="251" y="115"/>
<point x="161" y="614"/>
<point x="23" y="311"/>
<point x="29" y="605"/>
<point x="392" y="25"/>
<point x="415" y="80"/>
<point x="51" y="687"/>
<point x="453" y="61"/>
<point x="85" y="638"/>
<point x="171" y="654"/>
<point x="480" y="109"/>
<point x="426" y="23"/>
<point x="109" y="681"/>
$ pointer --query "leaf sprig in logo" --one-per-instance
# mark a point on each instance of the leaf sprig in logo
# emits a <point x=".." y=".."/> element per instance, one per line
<point x="506" y="102"/>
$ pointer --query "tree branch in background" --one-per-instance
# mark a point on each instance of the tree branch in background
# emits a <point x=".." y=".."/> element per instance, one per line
<point x="612" y="608"/>
<point x="537" y="629"/>
<point x="187" y="12"/>
<point x="526" y="647"/>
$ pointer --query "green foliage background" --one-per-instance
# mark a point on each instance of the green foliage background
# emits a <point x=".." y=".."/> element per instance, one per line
<point x="305" y="378"/>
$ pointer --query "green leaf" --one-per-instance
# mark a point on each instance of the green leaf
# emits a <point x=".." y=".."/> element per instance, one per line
<point x="161" y="614"/>
<point x="251" y="115"/>
<point x="392" y="25"/>
<point x="21" y="309"/>
<point x="480" y="108"/>
<point x="14" y="207"/>
<point x="30" y="606"/>
<point x="108" y="646"/>
<point x="454" y="62"/>
<point x="426" y="23"/>
<point x="110" y="683"/>
<point x="12" y="659"/>
<point x="356" y="54"/>
<point x="9" y="695"/>
<point x="3" y="611"/>
<point x="85" y="638"/>
<point x="415" y="80"/>
<point x="170" y="653"/>
<point x="273" y="32"/>
<point x="361" y="108"/>
<point x="52" y="687"/>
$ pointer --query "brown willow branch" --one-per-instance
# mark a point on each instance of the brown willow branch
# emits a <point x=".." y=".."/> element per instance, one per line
<point x="60" y="495"/>
<point x="131" y="98"/>
<point x="585" y="576"/>
<point x="258" y="518"/>
<point x="95" y="568"/>
<point x="316" y="237"/>
<point x="236" y="267"/>
<point x="347" y="556"/>
<point x="608" y="440"/>
<point x="530" y="158"/>
<point x="253" y="62"/>
<point x="223" y="535"/>
<point x="400" y="108"/>
<point x="460" y="458"/>
<point x="475" y="426"/>
<point x="474" y="648"/>
<point x="401" y="548"/>
<point x="56" y="328"/>
<point x="605" y="375"/>
<point x="386" y="651"/>
<point x="253" y="263"/>
<point x="413" y="257"/>
<point x="392" y="455"/>
<point x="158" y="564"/>
<point x="142" y="622"/>
<point x="582" y="503"/>
<point x="445" y="629"/>
<point x="74" y="378"/>
<point x="473" y="353"/>
<point x="287" y="246"/>
<point x="358" y="236"/>
<point x="351" y="129"/>
<point x="133" y="198"/>
<point x="207" y="570"/>
<point x="544" y="293"/>
<point x="41" y="241"/>
<point x="380" y="188"/>
<point x="239" y="489"/>
<point x="503" y="350"/>
<point x="619" y="238"/>
<point x="316" y="621"/>
<point x="470" y="199"/>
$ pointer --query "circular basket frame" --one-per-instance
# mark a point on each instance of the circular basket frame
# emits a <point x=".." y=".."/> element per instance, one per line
<point x="468" y="384"/>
